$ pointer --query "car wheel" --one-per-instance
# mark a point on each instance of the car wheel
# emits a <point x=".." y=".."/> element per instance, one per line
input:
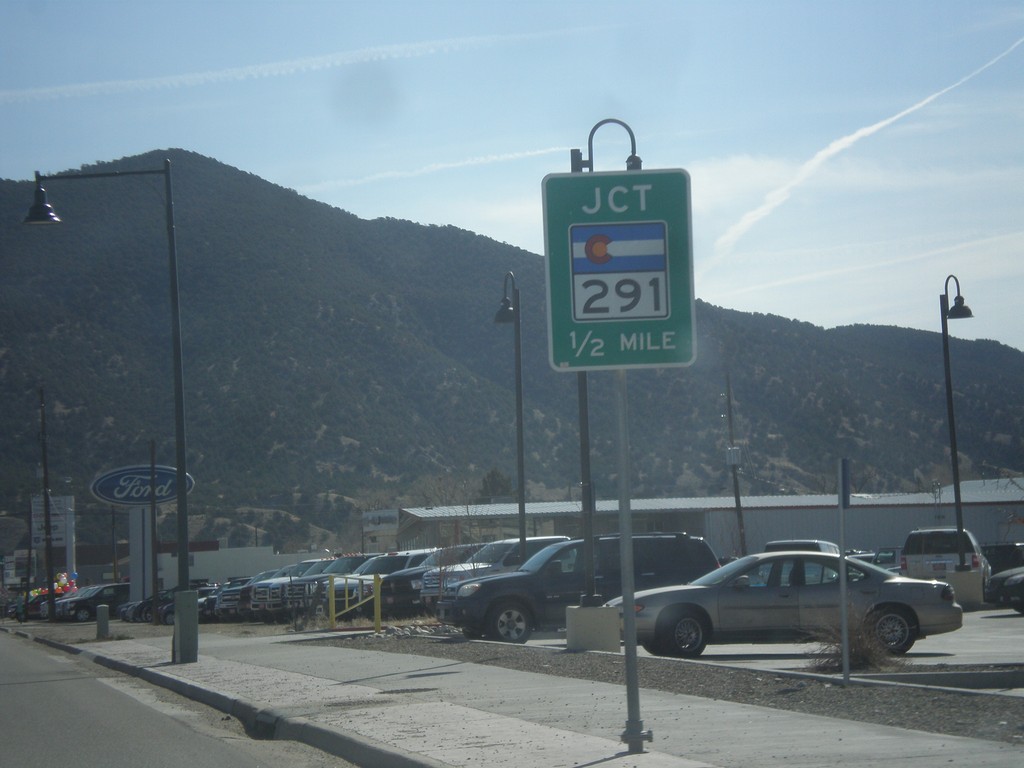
<point x="82" y="614"/>
<point x="169" y="618"/>
<point x="686" y="634"/>
<point x="509" y="622"/>
<point x="894" y="627"/>
<point x="147" y="615"/>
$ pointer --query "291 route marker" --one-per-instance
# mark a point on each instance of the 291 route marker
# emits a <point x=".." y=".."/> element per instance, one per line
<point x="620" y="270"/>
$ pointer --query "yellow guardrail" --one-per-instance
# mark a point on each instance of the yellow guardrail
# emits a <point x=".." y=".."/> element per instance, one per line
<point x="332" y="608"/>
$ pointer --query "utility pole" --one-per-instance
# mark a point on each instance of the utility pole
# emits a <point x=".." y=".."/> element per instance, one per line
<point x="733" y="460"/>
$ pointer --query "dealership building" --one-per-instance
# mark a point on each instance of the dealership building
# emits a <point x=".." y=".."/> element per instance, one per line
<point x="993" y="510"/>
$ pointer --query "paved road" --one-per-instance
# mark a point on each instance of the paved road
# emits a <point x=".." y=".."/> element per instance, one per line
<point x="61" y="710"/>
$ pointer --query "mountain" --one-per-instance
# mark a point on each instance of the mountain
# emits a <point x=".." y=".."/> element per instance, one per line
<point x="333" y="363"/>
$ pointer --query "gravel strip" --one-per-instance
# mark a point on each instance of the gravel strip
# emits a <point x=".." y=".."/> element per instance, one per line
<point x="955" y="713"/>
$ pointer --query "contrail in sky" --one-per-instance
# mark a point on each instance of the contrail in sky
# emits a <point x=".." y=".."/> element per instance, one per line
<point x="275" y="69"/>
<point x="431" y="168"/>
<point x="777" y="197"/>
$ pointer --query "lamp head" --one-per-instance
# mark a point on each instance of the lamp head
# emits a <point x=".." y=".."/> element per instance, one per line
<point x="41" y="211"/>
<point x="506" y="312"/>
<point x="959" y="310"/>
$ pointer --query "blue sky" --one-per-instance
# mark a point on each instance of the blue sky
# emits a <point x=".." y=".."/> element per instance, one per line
<point x="845" y="156"/>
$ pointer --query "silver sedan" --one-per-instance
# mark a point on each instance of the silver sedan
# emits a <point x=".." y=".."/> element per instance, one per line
<point x="787" y="596"/>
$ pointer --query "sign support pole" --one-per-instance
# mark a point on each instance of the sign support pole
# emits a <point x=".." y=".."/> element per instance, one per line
<point x="634" y="735"/>
<point x="844" y="619"/>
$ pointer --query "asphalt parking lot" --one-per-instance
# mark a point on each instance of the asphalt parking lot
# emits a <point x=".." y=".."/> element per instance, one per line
<point x="988" y="637"/>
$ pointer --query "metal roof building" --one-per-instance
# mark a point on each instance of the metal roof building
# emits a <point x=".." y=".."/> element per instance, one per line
<point x="993" y="510"/>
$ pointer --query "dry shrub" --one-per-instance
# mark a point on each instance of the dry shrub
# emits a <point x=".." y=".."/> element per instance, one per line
<point x="867" y="653"/>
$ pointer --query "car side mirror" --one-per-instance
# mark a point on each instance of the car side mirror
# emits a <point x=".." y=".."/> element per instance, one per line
<point x="741" y="581"/>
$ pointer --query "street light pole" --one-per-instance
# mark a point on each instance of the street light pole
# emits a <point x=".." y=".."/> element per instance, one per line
<point x="733" y="460"/>
<point x="51" y="598"/>
<point x="42" y="213"/>
<point x="958" y="312"/>
<point x="510" y="312"/>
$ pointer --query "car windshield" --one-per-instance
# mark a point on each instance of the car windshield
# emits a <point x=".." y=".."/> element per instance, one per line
<point x="491" y="553"/>
<point x="319" y="567"/>
<point x="264" y="575"/>
<point x="295" y="569"/>
<point x="939" y="542"/>
<point x="539" y="560"/>
<point x="383" y="564"/>
<point x="449" y="555"/>
<point x="343" y="565"/>
<point x="87" y="591"/>
<point x="726" y="572"/>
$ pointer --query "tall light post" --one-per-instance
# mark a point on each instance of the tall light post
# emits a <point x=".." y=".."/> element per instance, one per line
<point x="510" y="312"/>
<point x="42" y="213"/>
<point x="959" y="311"/>
<point x="51" y="598"/>
<point x="732" y="458"/>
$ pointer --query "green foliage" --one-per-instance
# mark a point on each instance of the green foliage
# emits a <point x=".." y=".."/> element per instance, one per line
<point x="495" y="485"/>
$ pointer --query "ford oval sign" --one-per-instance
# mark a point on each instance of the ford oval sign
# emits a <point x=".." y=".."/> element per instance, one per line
<point x="130" y="486"/>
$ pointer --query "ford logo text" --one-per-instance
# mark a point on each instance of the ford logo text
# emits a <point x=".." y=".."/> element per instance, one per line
<point x="132" y="486"/>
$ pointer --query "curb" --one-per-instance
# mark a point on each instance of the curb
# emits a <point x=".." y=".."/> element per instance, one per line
<point x="259" y="722"/>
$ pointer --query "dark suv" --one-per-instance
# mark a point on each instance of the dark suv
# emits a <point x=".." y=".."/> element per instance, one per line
<point x="511" y="606"/>
<point x="1004" y="556"/>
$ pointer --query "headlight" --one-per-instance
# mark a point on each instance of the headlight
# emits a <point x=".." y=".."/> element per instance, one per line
<point x="416" y="584"/>
<point x="1014" y="580"/>
<point x="468" y="590"/>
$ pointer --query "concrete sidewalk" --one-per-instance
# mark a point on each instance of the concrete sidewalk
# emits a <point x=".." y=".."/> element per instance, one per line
<point x="382" y="709"/>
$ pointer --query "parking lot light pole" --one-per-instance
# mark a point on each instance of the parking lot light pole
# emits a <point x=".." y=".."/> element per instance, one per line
<point x="959" y="311"/>
<point x="510" y="312"/>
<point x="42" y="212"/>
<point x="51" y="597"/>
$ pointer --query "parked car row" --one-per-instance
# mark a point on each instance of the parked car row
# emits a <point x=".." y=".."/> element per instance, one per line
<point x="685" y="601"/>
<point x="163" y="606"/>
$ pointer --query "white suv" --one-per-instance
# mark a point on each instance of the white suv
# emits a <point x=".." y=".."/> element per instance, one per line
<point x="933" y="553"/>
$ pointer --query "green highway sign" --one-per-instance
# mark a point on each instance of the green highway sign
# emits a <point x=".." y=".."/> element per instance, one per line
<point x="620" y="269"/>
